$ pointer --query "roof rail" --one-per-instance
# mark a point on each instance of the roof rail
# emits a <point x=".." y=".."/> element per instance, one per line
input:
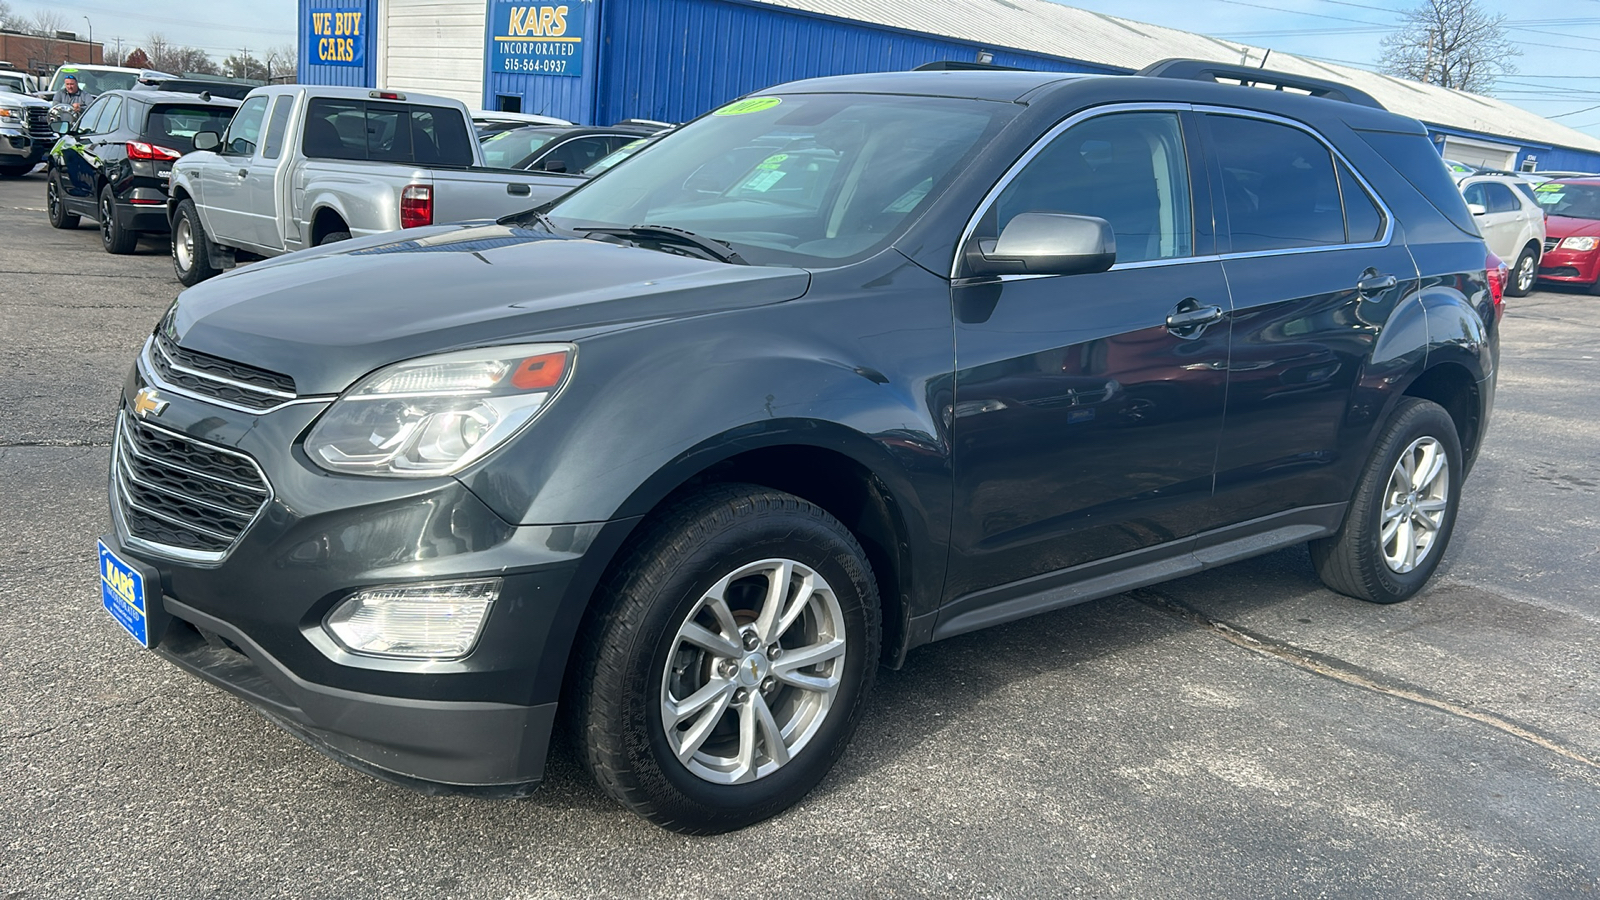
<point x="1205" y="70"/>
<point x="956" y="65"/>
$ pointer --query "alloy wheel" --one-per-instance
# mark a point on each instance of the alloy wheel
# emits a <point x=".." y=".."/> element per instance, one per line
<point x="1527" y="271"/>
<point x="752" y="671"/>
<point x="1415" y="503"/>
<point x="106" y="222"/>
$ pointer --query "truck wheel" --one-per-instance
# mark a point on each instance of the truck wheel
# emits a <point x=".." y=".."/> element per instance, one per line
<point x="724" y="668"/>
<point x="55" y="204"/>
<point x="191" y="250"/>
<point x="113" y="236"/>
<point x="334" y="237"/>
<point x="1524" y="274"/>
<point x="1399" y="521"/>
<point x="16" y="171"/>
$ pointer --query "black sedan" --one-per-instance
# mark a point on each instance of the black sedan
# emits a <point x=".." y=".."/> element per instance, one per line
<point x="113" y="164"/>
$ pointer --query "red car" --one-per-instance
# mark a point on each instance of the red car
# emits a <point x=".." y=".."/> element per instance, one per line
<point x="1572" y="232"/>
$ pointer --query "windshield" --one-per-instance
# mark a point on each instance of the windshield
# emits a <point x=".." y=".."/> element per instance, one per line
<point x="92" y="82"/>
<point x="174" y="125"/>
<point x="1577" y="201"/>
<point x="516" y="148"/>
<point x="807" y="179"/>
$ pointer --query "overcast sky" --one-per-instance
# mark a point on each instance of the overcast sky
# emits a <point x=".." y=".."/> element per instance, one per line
<point x="1560" y="65"/>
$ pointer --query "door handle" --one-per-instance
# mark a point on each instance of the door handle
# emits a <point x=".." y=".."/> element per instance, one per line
<point x="1375" y="284"/>
<point x="1193" y="317"/>
<point x="243" y="172"/>
<point x="520" y="190"/>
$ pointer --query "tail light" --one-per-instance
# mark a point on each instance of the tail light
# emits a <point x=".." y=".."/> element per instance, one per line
<point x="141" y="150"/>
<point x="1498" y="274"/>
<point x="416" y="206"/>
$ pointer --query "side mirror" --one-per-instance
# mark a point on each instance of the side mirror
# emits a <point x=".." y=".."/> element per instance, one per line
<point x="63" y="126"/>
<point x="1038" y="243"/>
<point x="1477" y="209"/>
<point x="207" y="140"/>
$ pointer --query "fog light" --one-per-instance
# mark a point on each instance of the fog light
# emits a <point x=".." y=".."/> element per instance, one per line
<point x="419" y="621"/>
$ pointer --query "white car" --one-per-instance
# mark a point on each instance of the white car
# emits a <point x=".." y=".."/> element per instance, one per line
<point x="1512" y="222"/>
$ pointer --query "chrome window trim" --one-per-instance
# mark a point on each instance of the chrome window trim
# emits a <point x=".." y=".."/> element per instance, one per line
<point x="1111" y="109"/>
<point x="147" y="371"/>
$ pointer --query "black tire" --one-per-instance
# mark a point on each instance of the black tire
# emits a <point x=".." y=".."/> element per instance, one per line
<point x="55" y="203"/>
<point x="1354" y="561"/>
<point x="1524" y="274"/>
<point x="621" y="678"/>
<point x="191" y="249"/>
<point x="16" y="171"/>
<point x="113" y="236"/>
<point x="333" y="237"/>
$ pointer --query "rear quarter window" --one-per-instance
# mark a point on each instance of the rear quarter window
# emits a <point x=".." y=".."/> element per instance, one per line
<point x="1413" y="156"/>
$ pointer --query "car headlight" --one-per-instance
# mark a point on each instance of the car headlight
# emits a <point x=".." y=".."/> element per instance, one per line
<point x="1580" y="243"/>
<point x="10" y="116"/>
<point x="437" y="414"/>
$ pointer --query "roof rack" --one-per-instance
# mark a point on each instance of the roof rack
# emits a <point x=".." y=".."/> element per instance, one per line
<point x="1205" y="70"/>
<point x="956" y="65"/>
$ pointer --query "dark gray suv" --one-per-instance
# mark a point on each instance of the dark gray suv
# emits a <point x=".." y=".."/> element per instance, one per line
<point x="684" y="459"/>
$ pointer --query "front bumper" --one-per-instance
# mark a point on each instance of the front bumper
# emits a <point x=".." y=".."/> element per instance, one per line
<point x="251" y="620"/>
<point x="1570" y="266"/>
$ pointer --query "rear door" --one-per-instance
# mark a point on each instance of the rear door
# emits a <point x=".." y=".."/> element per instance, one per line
<point x="1085" y="425"/>
<point x="1316" y="270"/>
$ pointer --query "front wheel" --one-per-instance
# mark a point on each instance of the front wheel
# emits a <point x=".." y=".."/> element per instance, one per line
<point x="113" y="236"/>
<point x="191" y="250"/>
<point x="1404" y="509"/>
<point x="725" y="669"/>
<point x="1524" y="274"/>
<point x="55" y="203"/>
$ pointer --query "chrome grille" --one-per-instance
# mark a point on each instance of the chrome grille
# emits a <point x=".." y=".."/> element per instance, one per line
<point x="232" y="383"/>
<point x="39" y="124"/>
<point x="184" y="496"/>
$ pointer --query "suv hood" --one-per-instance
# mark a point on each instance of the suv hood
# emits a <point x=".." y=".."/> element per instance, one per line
<point x="328" y="316"/>
<point x="1565" y="227"/>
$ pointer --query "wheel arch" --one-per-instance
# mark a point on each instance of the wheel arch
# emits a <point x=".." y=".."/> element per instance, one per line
<point x="326" y="219"/>
<point x="1452" y="385"/>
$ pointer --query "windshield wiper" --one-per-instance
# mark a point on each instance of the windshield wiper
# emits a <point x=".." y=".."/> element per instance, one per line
<point x="529" y="217"/>
<point x="720" y="251"/>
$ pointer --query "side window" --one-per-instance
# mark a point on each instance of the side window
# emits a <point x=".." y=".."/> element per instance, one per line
<point x="1127" y="168"/>
<point x="1279" y="186"/>
<point x="1501" y="199"/>
<point x="1474" y="193"/>
<point x="245" y="129"/>
<point x="108" y="120"/>
<point x="577" y="154"/>
<point x="89" y="122"/>
<point x="1363" y="219"/>
<point x="272" y="147"/>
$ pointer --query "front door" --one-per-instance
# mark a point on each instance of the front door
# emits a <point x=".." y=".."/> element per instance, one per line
<point x="1085" y="425"/>
<point x="230" y="215"/>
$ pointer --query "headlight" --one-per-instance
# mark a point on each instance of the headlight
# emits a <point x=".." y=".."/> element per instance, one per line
<point x="437" y="414"/>
<point x="10" y="116"/>
<point x="426" y="621"/>
<point x="1580" y="243"/>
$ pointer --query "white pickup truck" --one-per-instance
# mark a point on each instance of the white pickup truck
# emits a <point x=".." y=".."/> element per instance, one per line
<point x="304" y="165"/>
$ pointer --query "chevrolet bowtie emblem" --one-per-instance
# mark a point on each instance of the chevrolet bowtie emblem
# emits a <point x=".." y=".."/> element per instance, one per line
<point x="148" y="402"/>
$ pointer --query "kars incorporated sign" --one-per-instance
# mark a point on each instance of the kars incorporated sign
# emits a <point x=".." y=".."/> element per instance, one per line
<point x="538" y="38"/>
<point x="338" y="37"/>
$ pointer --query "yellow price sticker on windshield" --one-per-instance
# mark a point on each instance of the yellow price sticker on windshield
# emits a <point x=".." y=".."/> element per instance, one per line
<point x="745" y="107"/>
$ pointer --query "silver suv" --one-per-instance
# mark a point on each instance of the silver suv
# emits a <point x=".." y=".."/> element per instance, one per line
<point x="1512" y="223"/>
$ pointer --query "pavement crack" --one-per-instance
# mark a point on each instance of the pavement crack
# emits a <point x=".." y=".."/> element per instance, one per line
<point x="1352" y="675"/>
<point x="27" y="735"/>
<point x="56" y="442"/>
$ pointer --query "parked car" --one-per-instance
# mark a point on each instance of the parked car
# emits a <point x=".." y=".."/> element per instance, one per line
<point x="1512" y="223"/>
<point x="210" y="85"/>
<point x="12" y="81"/>
<point x="114" y="164"/>
<point x="1572" y="239"/>
<point x="685" y="467"/>
<point x="547" y="148"/>
<point x="486" y="122"/>
<point x="329" y="163"/>
<point x="25" y="135"/>
<point x="97" y="80"/>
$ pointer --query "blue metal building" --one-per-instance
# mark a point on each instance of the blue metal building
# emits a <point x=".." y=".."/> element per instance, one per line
<point x="599" y="61"/>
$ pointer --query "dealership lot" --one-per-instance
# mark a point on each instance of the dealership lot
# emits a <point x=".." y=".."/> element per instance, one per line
<point x="1242" y="732"/>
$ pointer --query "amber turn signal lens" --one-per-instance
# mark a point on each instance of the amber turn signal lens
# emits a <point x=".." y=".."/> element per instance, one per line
<point x="537" y="372"/>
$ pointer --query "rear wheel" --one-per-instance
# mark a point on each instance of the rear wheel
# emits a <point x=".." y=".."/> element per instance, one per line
<point x="334" y="237"/>
<point x="55" y="203"/>
<point x="1404" y="509"/>
<point x="113" y="236"/>
<point x="1524" y="274"/>
<point x="725" y="671"/>
<point x="191" y="250"/>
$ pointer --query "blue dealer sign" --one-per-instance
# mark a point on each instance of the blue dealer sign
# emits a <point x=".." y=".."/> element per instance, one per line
<point x="339" y="37"/>
<point x="537" y="38"/>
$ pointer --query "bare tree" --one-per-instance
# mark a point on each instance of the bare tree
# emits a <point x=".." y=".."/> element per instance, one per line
<point x="45" y="23"/>
<point x="1452" y="43"/>
<point x="281" y="62"/>
<point x="8" y="17"/>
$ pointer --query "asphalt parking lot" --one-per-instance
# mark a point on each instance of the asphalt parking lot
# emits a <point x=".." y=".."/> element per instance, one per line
<point x="1241" y="733"/>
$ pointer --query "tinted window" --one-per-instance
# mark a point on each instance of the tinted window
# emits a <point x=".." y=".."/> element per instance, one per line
<point x="272" y="148"/>
<point x="387" y="132"/>
<point x="89" y="122"/>
<point x="1475" y="195"/>
<point x="1526" y="190"/>
<point x="516" y="147"/>
<point x="1501" y="199"/>
<point x="1363" y="218"/>
<point x="245" y="129"/>
<point x="579" y="153"/>
<point x="174" y="125"/>
<point x="1279" y="186"/>
<point x="1413" y="156"/>
<point x="1128" y="169"/>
